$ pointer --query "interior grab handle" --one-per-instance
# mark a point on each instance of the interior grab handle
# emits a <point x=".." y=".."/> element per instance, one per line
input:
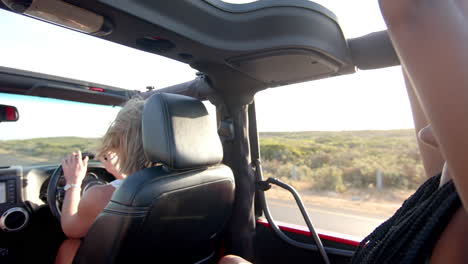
<point x="265" y="185"/>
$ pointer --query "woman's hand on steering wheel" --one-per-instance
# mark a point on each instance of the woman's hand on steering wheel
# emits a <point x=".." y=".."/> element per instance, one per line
<point x="74" y="168"/>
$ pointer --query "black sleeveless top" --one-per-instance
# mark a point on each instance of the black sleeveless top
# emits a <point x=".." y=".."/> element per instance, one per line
<point x="411" y="233"/>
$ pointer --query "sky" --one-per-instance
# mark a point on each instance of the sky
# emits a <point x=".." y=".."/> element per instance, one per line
<point x="366" y="100"/>
<point x="46" y="117"/>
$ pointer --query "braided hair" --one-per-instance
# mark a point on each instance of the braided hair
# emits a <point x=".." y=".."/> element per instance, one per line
<point x="411" y="233"/>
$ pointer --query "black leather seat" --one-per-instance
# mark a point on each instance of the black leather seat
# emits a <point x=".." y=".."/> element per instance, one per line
<point x="173" y="213"/>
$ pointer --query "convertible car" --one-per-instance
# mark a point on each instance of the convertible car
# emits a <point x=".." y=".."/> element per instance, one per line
<point x="207" y="198"/>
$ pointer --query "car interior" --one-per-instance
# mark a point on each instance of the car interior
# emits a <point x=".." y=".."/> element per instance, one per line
<point x="205" y="197"/>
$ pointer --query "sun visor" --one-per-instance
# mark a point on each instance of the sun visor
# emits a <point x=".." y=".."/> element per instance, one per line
<point x="285" y="66"/>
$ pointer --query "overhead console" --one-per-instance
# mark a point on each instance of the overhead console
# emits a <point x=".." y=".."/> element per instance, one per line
<point x="279" y="67"/>
<point x="287" y="41"/>
<point x="260" y="44"/>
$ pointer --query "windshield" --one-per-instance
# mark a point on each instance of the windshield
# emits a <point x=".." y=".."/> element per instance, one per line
<point x="37" y="46"/>
<point x="48" y="129"/>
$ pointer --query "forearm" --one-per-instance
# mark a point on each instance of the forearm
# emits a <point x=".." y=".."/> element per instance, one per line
<point x="431" y="157"/>
<point x="70" y="211"/>
<point x="430" y="38"/>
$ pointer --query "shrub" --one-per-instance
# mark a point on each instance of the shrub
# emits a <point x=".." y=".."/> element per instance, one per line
<point x="328" y="178"/>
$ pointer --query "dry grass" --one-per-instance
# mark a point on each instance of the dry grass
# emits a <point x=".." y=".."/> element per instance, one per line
<point x="10" y="158"/>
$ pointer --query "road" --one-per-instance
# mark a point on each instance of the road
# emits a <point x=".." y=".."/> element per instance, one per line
<point x="328" y="219"/>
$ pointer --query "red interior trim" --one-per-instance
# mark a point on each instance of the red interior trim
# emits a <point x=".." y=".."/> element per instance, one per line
<point x="303" y="231"/>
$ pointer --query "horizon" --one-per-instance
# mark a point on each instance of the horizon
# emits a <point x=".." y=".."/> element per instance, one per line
<point x="269" y="132"/>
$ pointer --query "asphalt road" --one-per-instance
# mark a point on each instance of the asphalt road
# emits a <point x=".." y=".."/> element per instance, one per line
<point x="327" y="219"/>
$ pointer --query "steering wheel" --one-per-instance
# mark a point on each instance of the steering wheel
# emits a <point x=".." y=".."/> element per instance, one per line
<point x="53" y="191"/>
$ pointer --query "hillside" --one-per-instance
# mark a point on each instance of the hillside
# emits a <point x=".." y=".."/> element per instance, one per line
<point x="341" y="160"/>
<point x="334" y="161"/>
<point x="43" y="150"/>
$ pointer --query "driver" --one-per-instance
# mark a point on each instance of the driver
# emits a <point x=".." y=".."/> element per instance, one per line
<point x="121" y="153"/>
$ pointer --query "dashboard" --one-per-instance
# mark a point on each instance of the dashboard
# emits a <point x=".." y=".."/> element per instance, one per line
<point x="13" y="215"/>
<point x="24" y="189"/>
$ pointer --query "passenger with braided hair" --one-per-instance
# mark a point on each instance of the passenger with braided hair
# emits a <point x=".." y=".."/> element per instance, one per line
<point x="430" y="38"/>
<point x="432" y="226"/>
<point x="411" y="234"/>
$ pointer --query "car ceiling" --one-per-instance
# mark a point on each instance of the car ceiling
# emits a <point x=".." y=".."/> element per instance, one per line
<point x="241" y="48"/>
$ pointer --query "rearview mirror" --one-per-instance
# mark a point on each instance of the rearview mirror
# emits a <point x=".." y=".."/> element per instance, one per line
<point x="8" y="113"/>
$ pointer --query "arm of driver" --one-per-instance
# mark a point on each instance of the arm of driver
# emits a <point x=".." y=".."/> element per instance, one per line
<point x="430" y="38"/>
<point x="79" y="214"/>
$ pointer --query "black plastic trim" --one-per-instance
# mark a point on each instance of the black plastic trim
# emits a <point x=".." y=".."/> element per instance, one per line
<point x="257" y="5"/>
<point x="37" y="84"/>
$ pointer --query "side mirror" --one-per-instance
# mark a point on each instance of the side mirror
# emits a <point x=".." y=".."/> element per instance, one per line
<point x="8" y="113"/>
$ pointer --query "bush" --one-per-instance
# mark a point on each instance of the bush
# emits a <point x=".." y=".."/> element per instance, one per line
<point x="328" y="178"/>
<point x="304" y="173"/>
<point x="280" y="152"/>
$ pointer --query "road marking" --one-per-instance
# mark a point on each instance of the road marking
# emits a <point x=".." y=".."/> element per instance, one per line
<point x="329" y="212"/>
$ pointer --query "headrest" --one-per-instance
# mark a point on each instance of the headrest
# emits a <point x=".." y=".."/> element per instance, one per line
<point x="177" y="131"/>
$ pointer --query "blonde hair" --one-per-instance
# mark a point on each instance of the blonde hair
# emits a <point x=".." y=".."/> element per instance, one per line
<point x="123" y="137"/>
